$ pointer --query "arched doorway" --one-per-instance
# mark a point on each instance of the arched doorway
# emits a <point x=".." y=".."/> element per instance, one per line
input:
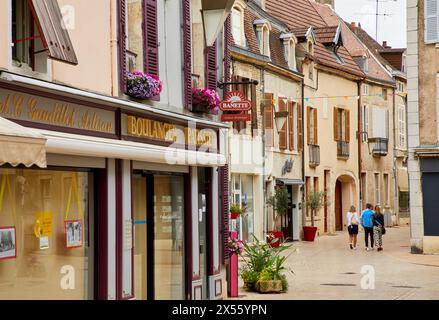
<point x="345" y="195"/>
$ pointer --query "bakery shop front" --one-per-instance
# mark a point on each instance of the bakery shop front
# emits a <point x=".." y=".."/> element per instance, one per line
<point x="102" y="198"/>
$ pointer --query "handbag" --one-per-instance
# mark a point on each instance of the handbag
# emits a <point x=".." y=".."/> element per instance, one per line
<point x="383" y="230"/>
<point x="354" y="221"/>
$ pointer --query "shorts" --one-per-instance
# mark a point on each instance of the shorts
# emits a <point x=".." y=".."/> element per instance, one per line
<point x="352" y="229"/>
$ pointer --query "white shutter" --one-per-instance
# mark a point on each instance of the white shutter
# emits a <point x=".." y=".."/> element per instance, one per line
<point x="379" y="123"/>
<point x="431" y="23"/>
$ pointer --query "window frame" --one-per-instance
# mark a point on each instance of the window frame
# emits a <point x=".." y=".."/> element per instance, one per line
<point x="242" y="41"/>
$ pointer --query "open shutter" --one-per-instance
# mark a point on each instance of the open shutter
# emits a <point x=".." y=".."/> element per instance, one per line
<point x="308" y="125"/>
<point x="316" y="142"/>
<point x="224" y="201"/>
<point x="55" y="37"/>
<point x="227" y="56"/>
<point x="335" y="124"/>
<point x="348" y="125"/>
<point x="299" y="127"/>
<point x="254" y="111"/>
<point x="151" y="38"/>
<point x="122" y="44"/>
<point x="187" y="54"/>
<point x="210" y="65"/>
<point x="291" y="125"/>
<point x="431" y="21"/>
<point x="283" y="131"/>
<point x="268" y="115"/>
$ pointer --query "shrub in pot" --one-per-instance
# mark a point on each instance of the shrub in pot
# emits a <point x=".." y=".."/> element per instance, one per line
<point x="235" y="210"/>
<point x="280" y="202"/>
<point x="314" y="201"/>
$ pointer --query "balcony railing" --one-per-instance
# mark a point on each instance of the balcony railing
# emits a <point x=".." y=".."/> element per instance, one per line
<point x="314" y="155"/>
<point x="343" y="149"/>
<point x="380" y="146"/>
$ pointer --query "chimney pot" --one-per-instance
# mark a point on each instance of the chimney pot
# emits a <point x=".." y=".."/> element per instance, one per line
<point x="353" y="24"/>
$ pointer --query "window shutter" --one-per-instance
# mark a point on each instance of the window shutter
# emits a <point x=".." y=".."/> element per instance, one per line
<point x="308" y="125"/>
<point x="227" y="57"/>
<point x="187" y="54"/>
<point x="291" y="124"/>
<point x="299" y="127"/>
<point x="431" y="21"/>
<point x="335" y="124"/>
<point x="268" y="112"/>
<point x="224" y="189"/>
<point x="122" y="44"/>
<point x="315" y="127"/>
<point x="151" y="38"/>
<point x="210" y="67"/>
<point x="283" y="131"/>
<point x="348" y="125"/>
<point x="254" y="111"/>
<point x="55" y="37"/>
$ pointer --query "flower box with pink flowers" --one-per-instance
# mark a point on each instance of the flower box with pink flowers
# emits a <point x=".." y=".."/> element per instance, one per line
<point x="142" y="85"/>
<point x="205" y="101"/>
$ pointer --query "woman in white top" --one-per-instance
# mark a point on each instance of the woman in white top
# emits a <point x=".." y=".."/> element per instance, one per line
<point x="353" y="221"/>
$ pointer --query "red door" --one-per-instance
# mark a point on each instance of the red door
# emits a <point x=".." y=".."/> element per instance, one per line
<point x="338" y="207"/>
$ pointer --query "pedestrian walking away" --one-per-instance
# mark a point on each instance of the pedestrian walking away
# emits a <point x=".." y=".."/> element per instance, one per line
<point x="378" y="228"/>
<point x="367" y="223"/>
<point x="353" y="221"/>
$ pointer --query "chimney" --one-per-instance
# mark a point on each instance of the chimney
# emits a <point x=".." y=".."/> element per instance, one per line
<point x="261" y="3"/>
<point x="330" y="2"/>
<point x="385" y="45"/>
<point x="353" y="24"/>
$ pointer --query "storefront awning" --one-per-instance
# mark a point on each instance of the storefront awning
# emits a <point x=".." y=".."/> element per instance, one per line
<point x="289" y="182"/>
<point x="403" y="180"/>
<point x="78" y="145"/>
<point x="21" y="145"/>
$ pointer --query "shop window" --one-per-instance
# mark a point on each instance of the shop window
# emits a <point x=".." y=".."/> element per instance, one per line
<point x="243" y="195"/>
<point x="46" y="235"/>
<point x="38" y="32"/>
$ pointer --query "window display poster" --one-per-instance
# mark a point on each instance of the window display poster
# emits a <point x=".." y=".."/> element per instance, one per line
<point x="43" y="224"/>
<point x="44" y="243"/>
<point x="8" y="245"/>
<point x="74" y="233"/>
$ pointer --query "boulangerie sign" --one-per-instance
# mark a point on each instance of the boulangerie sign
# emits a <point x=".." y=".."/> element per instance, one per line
<point x="22" y="106"/>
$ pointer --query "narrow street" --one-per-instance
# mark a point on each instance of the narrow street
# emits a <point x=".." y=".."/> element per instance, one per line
<point x="328" y="269"/>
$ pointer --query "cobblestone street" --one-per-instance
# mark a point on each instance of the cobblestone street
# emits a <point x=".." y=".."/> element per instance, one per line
<point x="328" y="269"/>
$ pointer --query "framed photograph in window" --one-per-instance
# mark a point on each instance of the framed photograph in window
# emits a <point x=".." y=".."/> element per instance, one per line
<point x="74" y="233"/>
<point x="8" y="243"/>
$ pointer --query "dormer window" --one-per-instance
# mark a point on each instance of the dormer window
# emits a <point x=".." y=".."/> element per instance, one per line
<point x="289" y="42"/>
<point x="238" y="26"/>
<point x="263" y="31"/>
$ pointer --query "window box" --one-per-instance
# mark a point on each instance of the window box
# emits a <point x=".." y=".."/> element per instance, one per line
<point x="142" y="85"/>
<point x="205" y="101"/>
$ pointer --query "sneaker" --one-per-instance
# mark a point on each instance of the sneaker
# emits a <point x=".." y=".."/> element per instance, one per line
<point x="367" y="248"/>
<point x="372" y="248"/>
<point x="380" y="249"/>
<point x="351" y="246"/>
<point x="355" y="248"/>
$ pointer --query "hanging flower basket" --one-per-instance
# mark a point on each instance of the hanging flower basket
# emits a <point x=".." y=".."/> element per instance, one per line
<point x="235" y="246"/>
<point x="143" y="85"/>
<point x="205" y="101"/>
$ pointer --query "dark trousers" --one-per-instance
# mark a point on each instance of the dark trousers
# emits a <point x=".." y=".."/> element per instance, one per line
<point x="367" y="232"/>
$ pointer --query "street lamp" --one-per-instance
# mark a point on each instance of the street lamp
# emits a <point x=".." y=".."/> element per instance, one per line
<point x="214" y="14"/>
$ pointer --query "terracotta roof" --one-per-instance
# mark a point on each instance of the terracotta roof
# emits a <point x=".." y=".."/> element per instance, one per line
<point x="326" y="35"/>
<point x="250" y="32"/>
<point x="302" y="14"/>
<point x="353" y="44"/>
<point x="300" y="32"/>
<point x="277" y="51"/>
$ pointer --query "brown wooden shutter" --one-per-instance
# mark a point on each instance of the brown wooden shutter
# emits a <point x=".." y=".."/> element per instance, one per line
<point x="187" y="54"/>
<point x="347" y="125"/>
<point x="54" y="35"/>
<point x="308" y="125"/>
<point x="335" y="124"/>
<point x="254" y="111"/>
<point x="299" y="127"/>
<point x="224" y="202"/>
<point x="268" y="115"/>
<point x="316" y="142"/>
<point x="291" y="124"/>
<point x="151" y="44"/>
<point x="210" y="67"/>
<point x="122" y="45"/>
<point x="283" y="131"/>
<point x="227" y="56"/>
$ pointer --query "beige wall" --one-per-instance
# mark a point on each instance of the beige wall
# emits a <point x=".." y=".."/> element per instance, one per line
<point x="330" y="85"/>
<point x="4" y="40"/>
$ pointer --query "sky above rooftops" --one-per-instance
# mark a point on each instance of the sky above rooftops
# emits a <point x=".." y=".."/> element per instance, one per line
<point x="391" y="28"/>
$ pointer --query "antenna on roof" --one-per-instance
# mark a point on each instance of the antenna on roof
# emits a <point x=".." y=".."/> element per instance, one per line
<point x="377" y="14"/>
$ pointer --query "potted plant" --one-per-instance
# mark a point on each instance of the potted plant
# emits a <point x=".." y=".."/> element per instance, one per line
<point x="314" y="202"/>
<point x="235" y="211"/>
<point x="142" y="85"/>
<point x="280" y="202"/>
<point x="264" y="268"/>
<point x="205" y="101"/>
<point x="235" y="246"/>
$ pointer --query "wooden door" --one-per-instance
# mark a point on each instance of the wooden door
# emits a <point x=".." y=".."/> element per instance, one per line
<point x="338" y="207"/>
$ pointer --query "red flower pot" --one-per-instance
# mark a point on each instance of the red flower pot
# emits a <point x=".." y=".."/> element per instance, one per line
<point x="309" y="233"/>
<point x="234" y="215"/>
<point x="278" y="237"/>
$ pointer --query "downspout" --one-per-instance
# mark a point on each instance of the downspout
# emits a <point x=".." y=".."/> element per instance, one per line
<point x="360" y="142"/>
<point x="114" y="49"/>
<point x="395" y="170"/>
<point x="303" y="149"/>
<point x="264" y="185"/>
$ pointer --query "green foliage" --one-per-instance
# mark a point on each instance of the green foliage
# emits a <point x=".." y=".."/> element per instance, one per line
<point x="315" y="201"/>
<point x="234" y="207"/>
<point x="280" y="201"/>
<point x="263" y="262"/>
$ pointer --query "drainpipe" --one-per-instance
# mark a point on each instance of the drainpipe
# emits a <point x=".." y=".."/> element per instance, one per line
<point x="360" y="142"/>
<point x="114" y="48"/>
<point x="264" y="185"/>
<point x="395" y="171"/>
<point x="303" y="150"/>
